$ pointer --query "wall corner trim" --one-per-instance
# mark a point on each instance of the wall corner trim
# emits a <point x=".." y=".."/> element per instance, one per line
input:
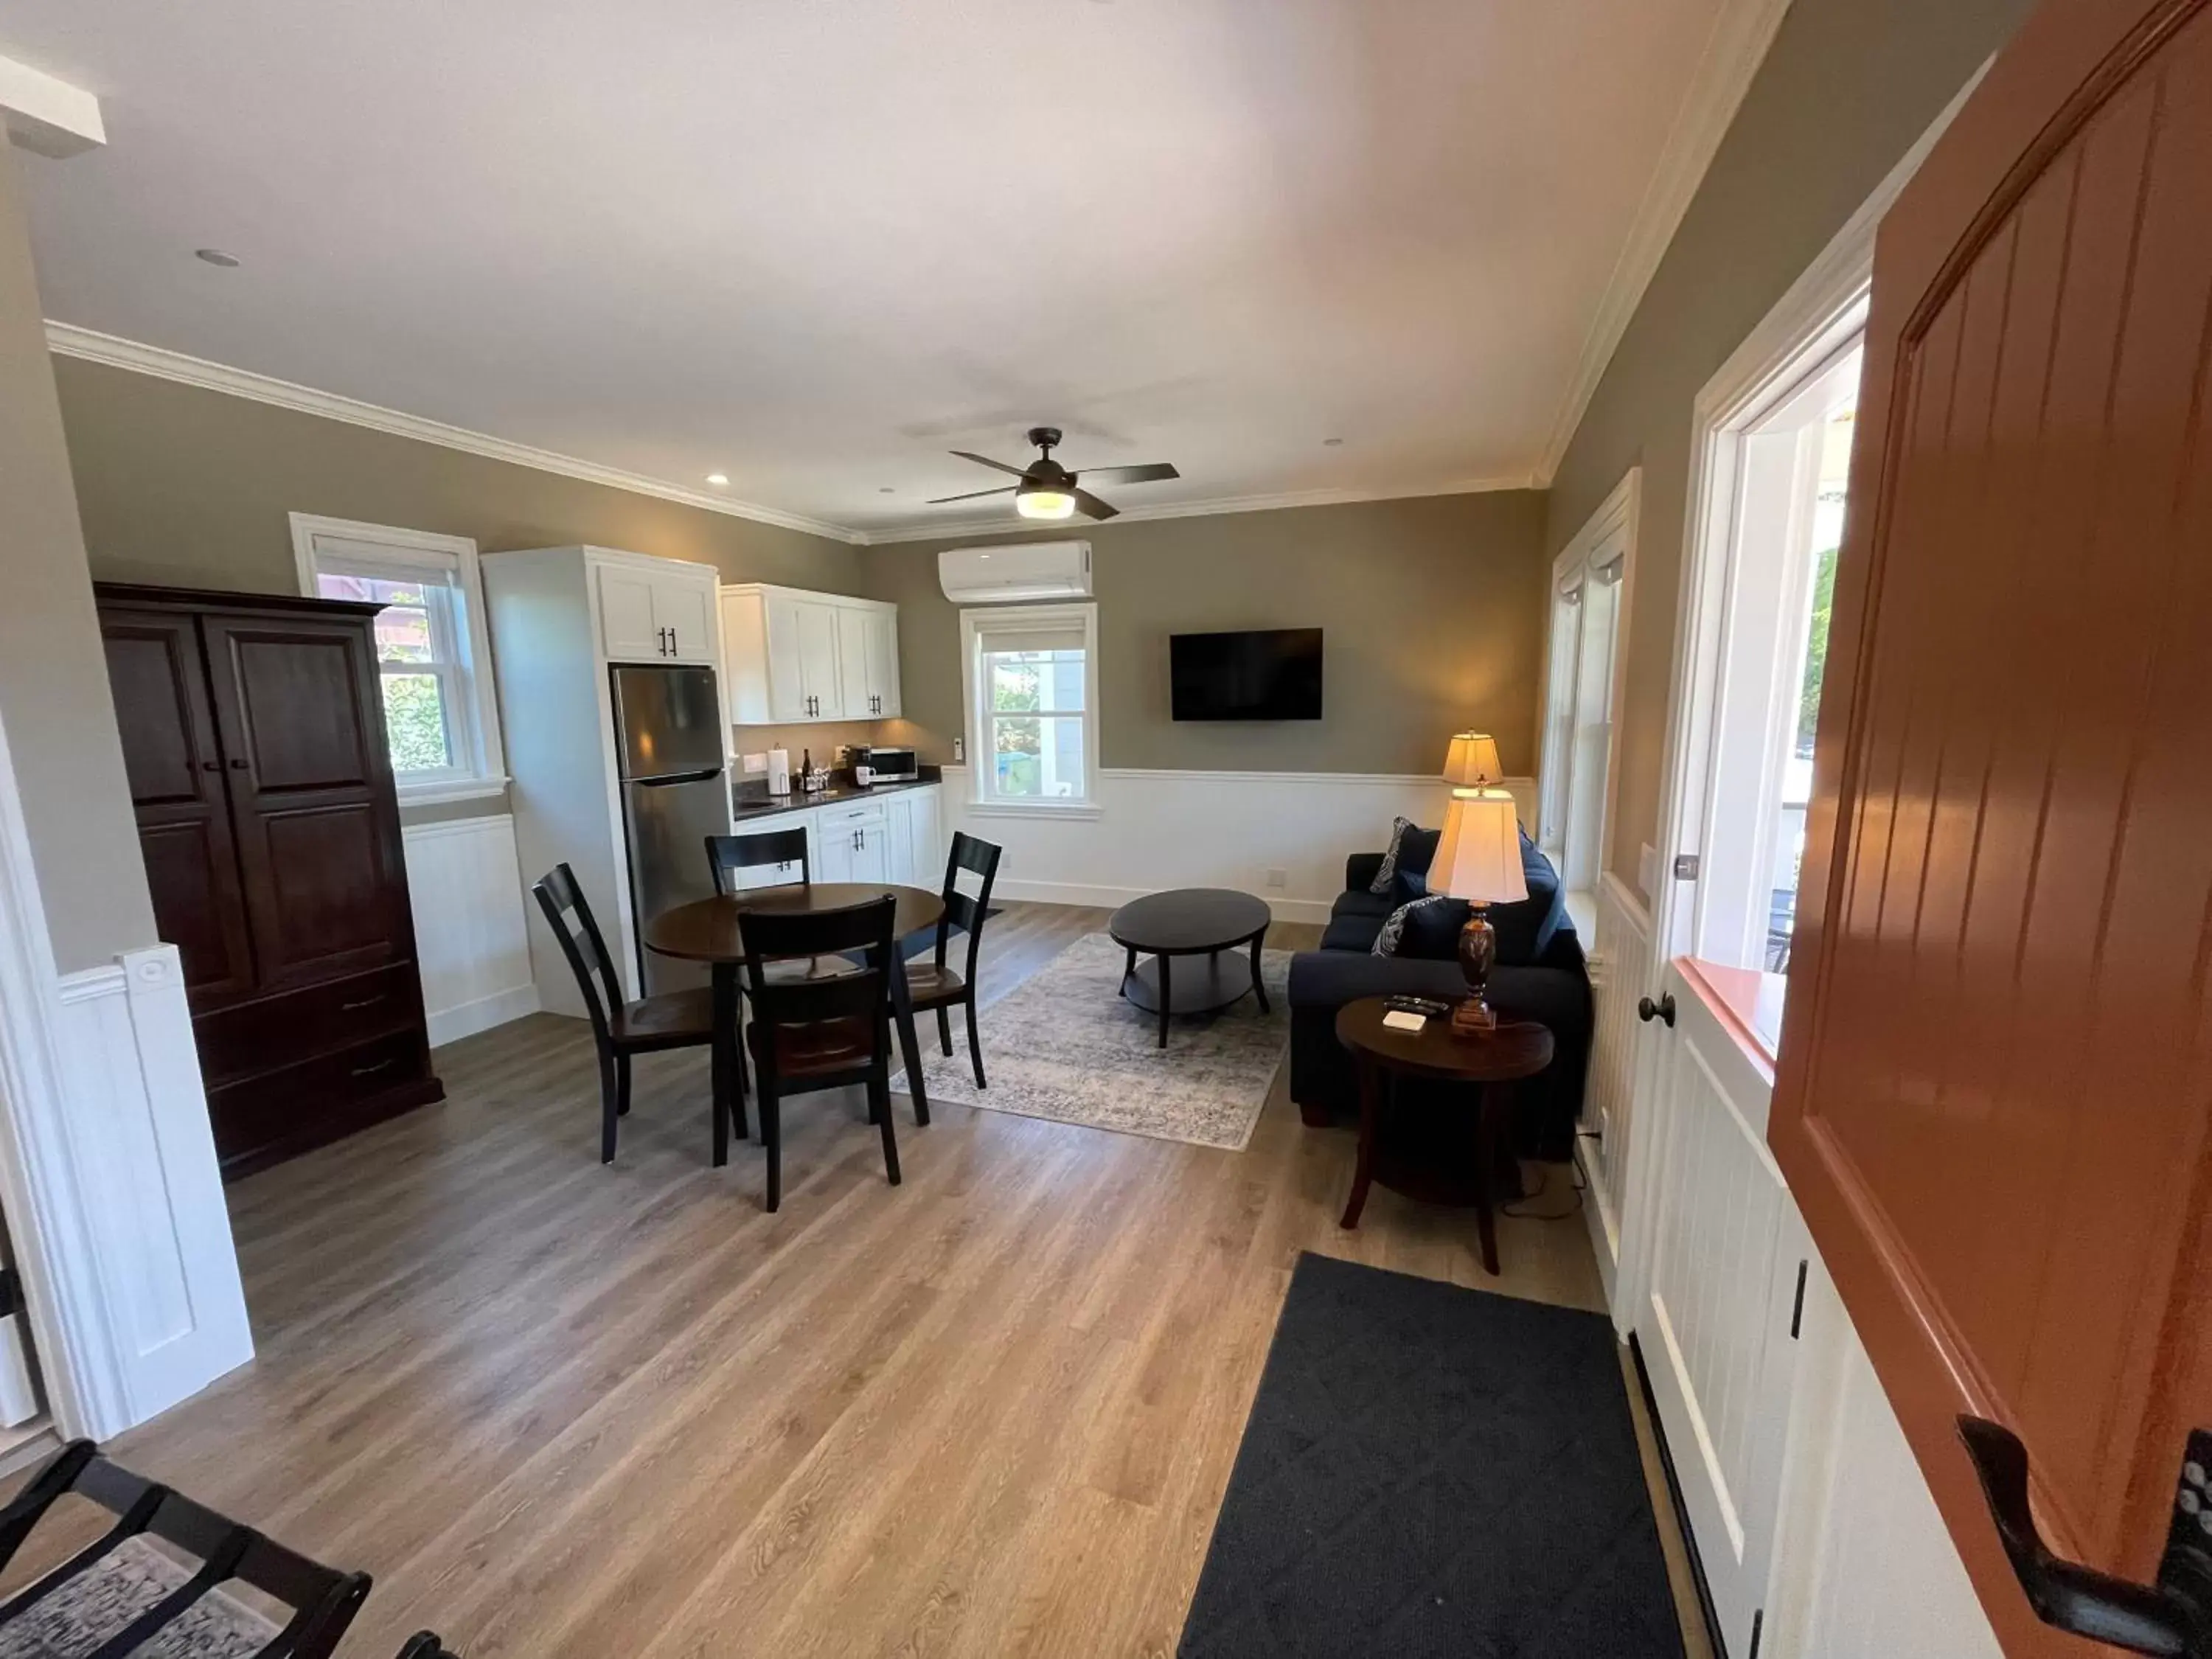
<point x="1733" y="52"/>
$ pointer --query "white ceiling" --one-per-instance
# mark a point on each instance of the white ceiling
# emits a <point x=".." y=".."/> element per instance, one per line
<point x="813" y="244"/>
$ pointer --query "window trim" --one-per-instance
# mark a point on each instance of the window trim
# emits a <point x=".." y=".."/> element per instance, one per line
<point x="474" y="718"/>
<point x="1577" y="564"/>
<point x="976" y="623"/>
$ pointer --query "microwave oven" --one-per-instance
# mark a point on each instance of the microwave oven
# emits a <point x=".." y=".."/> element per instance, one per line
<point x="878" y="765"/>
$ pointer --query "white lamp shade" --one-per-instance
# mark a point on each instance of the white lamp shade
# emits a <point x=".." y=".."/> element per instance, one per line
<point x="1472" y="760"/>
<point x="1478" y="860"/>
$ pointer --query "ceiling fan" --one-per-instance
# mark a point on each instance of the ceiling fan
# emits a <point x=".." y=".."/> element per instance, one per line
<point x="1050" y="491"/>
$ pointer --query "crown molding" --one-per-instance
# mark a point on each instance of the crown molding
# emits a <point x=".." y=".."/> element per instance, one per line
<point x="1737" y="46"/>
<point x="92" y="346"/>
<point x="1004" y="526"/>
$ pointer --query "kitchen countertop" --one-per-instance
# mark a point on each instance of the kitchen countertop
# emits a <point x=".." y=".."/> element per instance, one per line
<point x="752" y="803"/>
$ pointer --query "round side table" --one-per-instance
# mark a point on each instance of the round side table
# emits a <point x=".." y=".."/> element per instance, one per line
<point x="1515" y="1050"/>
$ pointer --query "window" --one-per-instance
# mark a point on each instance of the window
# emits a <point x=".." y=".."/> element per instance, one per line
<point x="1031" y="677"/>
<point x="439" y="716"/>
<point x="1587" y="590"/>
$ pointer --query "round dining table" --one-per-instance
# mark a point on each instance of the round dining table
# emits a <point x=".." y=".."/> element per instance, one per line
<point x="709" y="931"/>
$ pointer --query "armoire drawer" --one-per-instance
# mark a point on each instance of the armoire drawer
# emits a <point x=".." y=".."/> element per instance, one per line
<point x="268" y="1033"/>
<point x="278" y="1113"/>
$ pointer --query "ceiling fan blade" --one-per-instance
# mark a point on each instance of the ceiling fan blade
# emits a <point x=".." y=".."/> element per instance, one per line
<point x="1092" y="507"/>
<point x="973" y="494"/>
<point x="1150" y="472"/>
<point x="985" y="460"/>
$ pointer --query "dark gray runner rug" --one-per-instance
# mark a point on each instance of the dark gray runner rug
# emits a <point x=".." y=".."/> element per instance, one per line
<point x="1431" y="1471"/>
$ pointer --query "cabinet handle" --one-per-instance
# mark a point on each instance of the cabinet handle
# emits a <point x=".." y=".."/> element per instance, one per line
<point x="366" y="1002"/>
<point x="238" y="766"/>
<point x="380" y="1066"/>
<point x="210" y="766"/>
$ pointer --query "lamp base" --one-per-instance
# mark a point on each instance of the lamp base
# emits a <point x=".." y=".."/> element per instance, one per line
<point x="1478" y="951"/>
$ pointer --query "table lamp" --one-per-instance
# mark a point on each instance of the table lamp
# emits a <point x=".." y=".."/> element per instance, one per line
<point x="1471" y="760"/>
<point x="1478" y="860"/>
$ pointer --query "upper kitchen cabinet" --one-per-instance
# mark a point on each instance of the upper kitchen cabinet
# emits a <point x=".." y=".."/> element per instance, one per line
<point x="791" y="657"/>
<point x="654" y="610"/>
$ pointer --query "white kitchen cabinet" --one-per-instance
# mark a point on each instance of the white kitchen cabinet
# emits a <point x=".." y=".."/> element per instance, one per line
<point x="911" y="833"/>
<point x="654" y="610"/>
<point x="791" y="657"/>
<point x="852" y="842"/>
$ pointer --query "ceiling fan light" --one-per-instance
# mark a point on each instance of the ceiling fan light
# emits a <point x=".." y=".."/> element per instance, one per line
<point x="1044" y="504"/>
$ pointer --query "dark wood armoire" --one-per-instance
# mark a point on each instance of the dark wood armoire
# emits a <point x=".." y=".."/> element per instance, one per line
<point x="253" y="737"/>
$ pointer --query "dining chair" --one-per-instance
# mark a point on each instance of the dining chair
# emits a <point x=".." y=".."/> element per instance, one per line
<point x="674" y="1019"/>
<point x="934" y="984"/>
<point x="813" y="1034"/>
<point x="425" y="1644"/>
<point x="730" y="856"/>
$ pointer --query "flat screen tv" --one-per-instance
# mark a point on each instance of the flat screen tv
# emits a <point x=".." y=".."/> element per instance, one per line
<point x="1266" y="674"/>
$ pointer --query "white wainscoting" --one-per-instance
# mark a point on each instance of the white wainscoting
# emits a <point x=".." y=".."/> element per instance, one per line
<point x="1868" y="1570"/>
<point x="1155" y="829"/>
<point x="152" y="1213"/>
<point x="465" y="883"/>
<point x="1619" y="957"/>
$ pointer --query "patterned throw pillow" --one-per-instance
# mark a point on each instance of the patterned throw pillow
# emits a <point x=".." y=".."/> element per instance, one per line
<point x="1414" y="920"/>
<point x="1405" y="867"/>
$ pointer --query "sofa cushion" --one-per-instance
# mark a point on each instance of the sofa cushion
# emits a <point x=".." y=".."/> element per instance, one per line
<point x="1425" y="929"/>
<point x="1525" y="927"/>
<point x="1411" y="850"/>
<point x="1352" y="930"/>
<point x="1361" y="902"/>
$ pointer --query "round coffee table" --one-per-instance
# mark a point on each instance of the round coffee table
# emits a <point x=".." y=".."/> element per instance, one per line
<point x="1512" y="1050"/>
<point x="1190" y="922"/>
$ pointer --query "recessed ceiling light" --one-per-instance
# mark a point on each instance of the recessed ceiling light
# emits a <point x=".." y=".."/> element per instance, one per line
<point x="215" y="256"/>
<point x="885" y="490"/>
<point x="1332" y="443"/>
<point x="718" y="479"/>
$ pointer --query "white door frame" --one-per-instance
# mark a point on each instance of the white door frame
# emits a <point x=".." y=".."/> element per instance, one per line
<point x="1821" y="310"/>
<point x="44" y="1193"/>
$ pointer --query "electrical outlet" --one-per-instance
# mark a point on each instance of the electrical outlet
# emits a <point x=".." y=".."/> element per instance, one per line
<point x="960" y="750"/>
<point x="756" y="763"/>
<point x="1277" y="880"/>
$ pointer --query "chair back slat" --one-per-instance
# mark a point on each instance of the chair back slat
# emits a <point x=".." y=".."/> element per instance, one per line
<point x="561" y="899"/>
<point x="771" y="936"/>
<point x="965" y="911"/>
<point x="730" y="856"/>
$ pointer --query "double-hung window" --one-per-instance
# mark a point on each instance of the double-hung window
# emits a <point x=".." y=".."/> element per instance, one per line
<point x="440" y="719"/>
<point x="1031" y="673"/>
<point x="1581" y="684"/>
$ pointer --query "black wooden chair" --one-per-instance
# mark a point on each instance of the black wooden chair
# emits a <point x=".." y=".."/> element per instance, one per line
<point x="425" y="1644"/>
<point x="934" y="984"/>
<point x="323" y="1601"/>
<point x="828" y="1033"/>
<point x="730" y="856"/>
<point x="674" y="1019"/>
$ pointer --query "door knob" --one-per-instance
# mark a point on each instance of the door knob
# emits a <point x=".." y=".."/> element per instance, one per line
<point x="2172" y="1617"/>
<point x="1648" y="1011"/>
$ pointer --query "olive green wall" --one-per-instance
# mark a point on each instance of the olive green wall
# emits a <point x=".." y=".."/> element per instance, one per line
<point x="1430" y="609"/>
<point x="182" y="485"/>
<point x="54" y="700"/>
<point x="1846" y="89"/>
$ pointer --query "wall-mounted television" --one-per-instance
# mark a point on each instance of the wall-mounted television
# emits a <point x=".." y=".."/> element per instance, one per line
<point x="1265" y="674"/>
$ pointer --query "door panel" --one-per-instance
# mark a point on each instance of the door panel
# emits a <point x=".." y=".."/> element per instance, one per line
<point x="629" y="631"/>
<point x="855" y="687"/>
<point x="787" y="672"/>
<point x="318" y="835"/>
<point x="176" y="774"/>
<point x="1993" y="1099"/>
<point x="686" y="609"/>
<point x="882" y="660"/>
<point x="1714" y="1326"/>
<point x="818" y="658"/>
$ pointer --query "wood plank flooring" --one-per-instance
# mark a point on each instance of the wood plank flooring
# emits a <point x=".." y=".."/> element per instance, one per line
<point x="562" y="1409"/>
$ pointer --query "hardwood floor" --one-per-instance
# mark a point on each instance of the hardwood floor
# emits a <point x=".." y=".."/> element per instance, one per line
<point x="563" y="1409"/>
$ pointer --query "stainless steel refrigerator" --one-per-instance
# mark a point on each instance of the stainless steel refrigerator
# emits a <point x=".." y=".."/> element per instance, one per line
<point x="668" y="744"/>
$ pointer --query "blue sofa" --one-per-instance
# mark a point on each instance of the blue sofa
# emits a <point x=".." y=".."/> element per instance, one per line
<point x="1540" y="975"/>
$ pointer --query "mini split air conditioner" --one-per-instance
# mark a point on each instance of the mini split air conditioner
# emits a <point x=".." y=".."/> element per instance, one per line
<point x="1000" y="575"/>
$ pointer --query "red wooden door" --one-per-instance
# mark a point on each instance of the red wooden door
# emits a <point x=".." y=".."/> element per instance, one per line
<point x="176" y="772"/>
<point x="1995" y="1080"/>
<point x="298" y="703"/>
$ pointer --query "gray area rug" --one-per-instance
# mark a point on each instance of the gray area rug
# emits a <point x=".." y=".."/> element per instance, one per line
<point x="74" y="1618"/>
<point x="1065" y="1045"/>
